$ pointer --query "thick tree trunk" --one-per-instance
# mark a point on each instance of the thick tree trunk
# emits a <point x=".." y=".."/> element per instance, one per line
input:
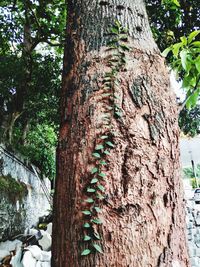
<point x="143" y="214"/>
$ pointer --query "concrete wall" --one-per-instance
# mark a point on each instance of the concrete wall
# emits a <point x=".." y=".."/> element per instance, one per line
<point x="18" y="213"/>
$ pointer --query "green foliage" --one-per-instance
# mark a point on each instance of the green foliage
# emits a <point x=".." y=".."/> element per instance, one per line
<point x="186" y="62"/>
<point x="98" y="248"/>
<point x="189" y="121"/>
<point x="171" y="19"/>
<point x="40" y="148"/>
<point x="31" y="36"/>
<point x="13" y="188"/>
<point x="188" y="172"/>
<point x="85" y="252"/>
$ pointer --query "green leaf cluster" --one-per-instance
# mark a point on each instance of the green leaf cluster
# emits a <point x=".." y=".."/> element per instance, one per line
<point x="186" y="62"/>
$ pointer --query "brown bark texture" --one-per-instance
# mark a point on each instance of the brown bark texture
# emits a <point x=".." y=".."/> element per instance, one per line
<point x="143" y="214"/>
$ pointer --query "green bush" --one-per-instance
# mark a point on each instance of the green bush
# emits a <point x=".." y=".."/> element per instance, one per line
<point x="40" y="148"/>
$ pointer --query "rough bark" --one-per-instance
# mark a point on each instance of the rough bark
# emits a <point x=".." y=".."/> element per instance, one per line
<point x="143" y="214"/>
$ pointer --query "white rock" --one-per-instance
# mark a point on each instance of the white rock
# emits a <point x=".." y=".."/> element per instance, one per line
<point x="32" y="231"/>
<point x="28" y="260"/>
<point x="49" y="228"/>
<point x="10" y="245"/>
<point x="46" y="256"/>
<point x="43" y="264"/>
<point x="3" y="254"/>
<point x="45" y="241"/>
<point x="36" y="252"/>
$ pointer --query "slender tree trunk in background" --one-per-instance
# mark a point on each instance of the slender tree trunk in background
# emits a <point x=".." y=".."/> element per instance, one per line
<point x="143" y="215"/>
<point x="14" y="117"/>
<point x="16" y="107"/>
<point x="25" y="130"/>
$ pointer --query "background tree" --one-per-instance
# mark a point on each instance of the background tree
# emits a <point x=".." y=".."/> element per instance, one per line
<point x="31" y="34"/>
<point x="172" y="21"/>
<point x="25" y="25"/>
<point x="118" y="182"/>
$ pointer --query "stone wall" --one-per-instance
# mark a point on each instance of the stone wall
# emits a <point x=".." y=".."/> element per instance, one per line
<point x="20" y="210"/>
<point x="193" y="232"/>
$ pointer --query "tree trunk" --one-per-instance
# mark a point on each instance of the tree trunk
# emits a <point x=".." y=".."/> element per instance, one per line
<point x="25" y="130"/>
<point x="143" y="215"/>
<point x="7" y="126"/>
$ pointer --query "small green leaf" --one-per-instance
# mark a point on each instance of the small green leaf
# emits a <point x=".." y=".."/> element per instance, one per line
<point x="197" y="63"/>
<point x="86" y="225"/>
<point x="118" y="24"/>
<point x="106" y="152"/>
<point x="166" y="51"/>
<point x="119" y="114"/>
<point x="98" y="248"/>
<point x="85" y="252"/>
<point x="99" y="196"/>
<point x="99" y="147"/>
<point x="94" y="170"/>
<point x="116" y="96"/>
<point x="107" y="78"/>
<point x="87" y="238"/>
<point x="114" y="31"/>
<point x="103" y="162"/>
<point x="98" y="209"/>
<point x="192" y="100"/>
<point x="111" y="47"/>
<point x="124" y="47"/>
<point x="197" y="43"/>
<point x="175" y="49"/>
<point x="91" y="190"/>
<point x="86" y="212"/>
<point x="97" y="221"/>
<point x="96" y="155"/>
<point x="94" y="181"/>
<point x="110" y="144"/>
<point x="184" y="61"/>
<point x="176" y="2"/>
<point x="184" y="40"/>
<point x="117" y="82"/>
<point x="101" y="188"/>
<point x="101" y="174"/>
<point x="192" y="36"/>
<point x="104" y="136"/>
<point x="117" y="106"/>
<point x="89" y="200"/>
<point x="97" y="235"/>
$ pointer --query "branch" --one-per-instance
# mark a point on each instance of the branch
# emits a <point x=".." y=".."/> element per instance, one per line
<point x="50" y="43"/>
<point x="34" y="15"/>
<point x="182" y="105"/>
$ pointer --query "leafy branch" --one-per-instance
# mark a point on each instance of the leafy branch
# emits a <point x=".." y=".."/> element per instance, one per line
<point x="186" y="63"/>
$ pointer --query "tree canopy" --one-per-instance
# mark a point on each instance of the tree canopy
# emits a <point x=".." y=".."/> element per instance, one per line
<point x="31" y="34"/>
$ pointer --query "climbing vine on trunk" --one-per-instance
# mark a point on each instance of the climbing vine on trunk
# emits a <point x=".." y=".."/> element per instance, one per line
<point x="95" y="191"/>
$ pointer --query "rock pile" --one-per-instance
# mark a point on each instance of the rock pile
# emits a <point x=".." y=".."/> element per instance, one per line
<point x="33" y="250"/>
